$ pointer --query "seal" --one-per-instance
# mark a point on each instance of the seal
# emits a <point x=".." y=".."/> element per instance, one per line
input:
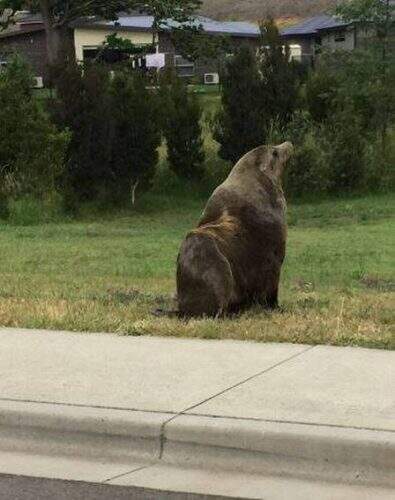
<point x="233" y="259"/>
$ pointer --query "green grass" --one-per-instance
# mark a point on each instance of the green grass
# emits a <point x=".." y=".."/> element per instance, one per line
<point x="204" y="89"/>
<point x="44" y="93"/>
<point x="108" y="272"/>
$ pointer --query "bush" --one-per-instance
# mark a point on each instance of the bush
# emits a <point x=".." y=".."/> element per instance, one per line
<point x="308" y="171"/>
<point x="351" y="95"/>
<point x="346" y="151"/>
<point x="321" y="90"/>
<point x="29" y="211"/>
<point x="380" y="164"/>
<point x="182" y="129"/>
<point x="32" y="150"/>
<point x="335" y="156"/>
<point x="4" y="212"/>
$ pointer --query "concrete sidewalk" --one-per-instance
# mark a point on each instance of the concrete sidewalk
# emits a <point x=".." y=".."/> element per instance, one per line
<point x="236" y="419"/>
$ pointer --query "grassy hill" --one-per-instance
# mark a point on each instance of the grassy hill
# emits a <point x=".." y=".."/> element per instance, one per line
<point x="255" y="10"/>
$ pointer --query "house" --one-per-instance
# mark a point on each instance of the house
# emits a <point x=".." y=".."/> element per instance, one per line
<point x="27" y="37"/>
<point x="90" y="34"/>
<point x="317" y="32"/>
<point x="328" y="32"/>
<point x="305" y="40"/>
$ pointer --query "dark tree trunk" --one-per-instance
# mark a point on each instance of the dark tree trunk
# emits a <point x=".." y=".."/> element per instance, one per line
<point x="59" y="37"/>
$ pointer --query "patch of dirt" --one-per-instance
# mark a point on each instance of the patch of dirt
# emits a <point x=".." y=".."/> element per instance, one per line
<point x="128" y="295"/>
<point x="304" y="286"/>
<point x="377" y="283"/>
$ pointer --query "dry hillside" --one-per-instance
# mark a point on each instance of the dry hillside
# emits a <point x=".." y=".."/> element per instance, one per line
<point x="255" y="10"/>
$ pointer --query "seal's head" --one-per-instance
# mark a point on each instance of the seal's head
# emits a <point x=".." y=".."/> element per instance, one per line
<point x="267" y="160"/>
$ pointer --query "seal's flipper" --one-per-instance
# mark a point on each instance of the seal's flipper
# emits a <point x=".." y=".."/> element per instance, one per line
<point x="204" y="278"/>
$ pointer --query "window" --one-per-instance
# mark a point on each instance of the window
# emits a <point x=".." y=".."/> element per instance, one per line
<point x="184" y="67"/>
<point x="113" y="56"/>
<point x="90" y="53"/>
<point x="339" y="37"/>
<point x="295" y="52"/>
<point x="3" y="61"/>
<point x="108" y="56"/>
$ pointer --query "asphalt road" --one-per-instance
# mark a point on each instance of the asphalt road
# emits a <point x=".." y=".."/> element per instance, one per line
<point x="27" y="488"/>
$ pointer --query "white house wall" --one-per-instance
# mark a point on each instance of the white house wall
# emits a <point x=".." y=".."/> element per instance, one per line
<point x="329" y="40"/>
<point x="366" y="37"/>
<point x="92" y="38"/>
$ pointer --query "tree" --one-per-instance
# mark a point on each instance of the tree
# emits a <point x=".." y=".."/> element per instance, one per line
<point x="182" y="129"/>
<point x="136" y="134"/>
<point x="116" y="49"/>
<point x="256" y="91"/>
<point x="376" y="13"/>
<point x="381" y="15"/>
<point x="279" y="81"/>
<point x="32" y="150"/>
<point x="170" y="14"/>
<point x="194" y="44"/>
<point x="83" y="106"/>
<point x="239" y="125"/>
<point x="59" y="14"/>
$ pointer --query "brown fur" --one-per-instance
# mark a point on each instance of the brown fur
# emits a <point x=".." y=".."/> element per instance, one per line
<point x="222" y="230"/>
<point x="233" y="258"/>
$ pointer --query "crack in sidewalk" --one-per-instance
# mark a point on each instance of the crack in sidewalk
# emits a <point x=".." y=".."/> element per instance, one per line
<point x="224" y="391"/>
<point x="78" y="405"/>
<point x="290" y="422"/>
<point x="118" y="476"/>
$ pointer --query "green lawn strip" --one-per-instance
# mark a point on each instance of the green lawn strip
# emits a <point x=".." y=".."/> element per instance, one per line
<point x="109" y="274"/>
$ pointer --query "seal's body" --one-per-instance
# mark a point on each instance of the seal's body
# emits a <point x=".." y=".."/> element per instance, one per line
<point x="233" y="258"/>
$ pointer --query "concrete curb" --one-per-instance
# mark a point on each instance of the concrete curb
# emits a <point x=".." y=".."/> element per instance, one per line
<point x="86" y="432"/>
<point x="294" y="450"/>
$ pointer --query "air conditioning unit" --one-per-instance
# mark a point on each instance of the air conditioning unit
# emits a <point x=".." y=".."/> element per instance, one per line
<point x="211" y="79"/>
<point x="38" y="82"/>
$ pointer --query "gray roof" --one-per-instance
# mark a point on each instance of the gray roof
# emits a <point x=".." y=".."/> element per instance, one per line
<point x="17" y="31"/>
<point x="25" y="22"/>
<point x="26" y="17"/>
<point x="313" y="25"/>
<point x="144" y="23"/>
